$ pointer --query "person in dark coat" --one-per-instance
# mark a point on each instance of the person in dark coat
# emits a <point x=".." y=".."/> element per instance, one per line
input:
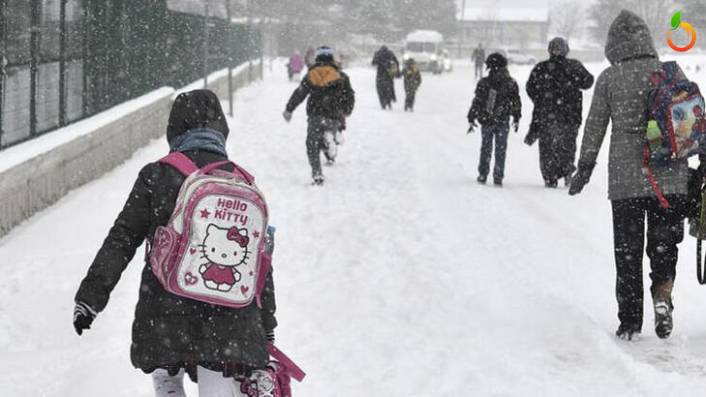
<point x="478" y="58"/>
<point x="555" y="88"/>
<point x="388" y="67"/>
<point x="497" y="98"/>
<point x="331" y="99"/>
<point x="620" y="98"/>
<point x="171" y="334"/>
<point x="412" y="81"/>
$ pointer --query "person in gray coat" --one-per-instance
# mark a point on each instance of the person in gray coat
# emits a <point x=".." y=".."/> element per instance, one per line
<point x="620" y="97"/>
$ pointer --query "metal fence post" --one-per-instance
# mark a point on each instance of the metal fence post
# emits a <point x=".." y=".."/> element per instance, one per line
<point x="205" y="46"/>
<point x="35" y="17"/>
<point x="262" y="47"/>
<point x="229" y="34"/>
<point x="3" y="63"/>
<point x="85" y="27"/>
<point x="62" y="64"/>
<point x="250" y="40"/>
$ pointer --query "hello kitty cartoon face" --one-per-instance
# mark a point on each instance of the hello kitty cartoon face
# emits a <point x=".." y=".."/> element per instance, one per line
<point x="260" y="384"/>
<point x="265" y="383"/>
<point x="225" y="246"/>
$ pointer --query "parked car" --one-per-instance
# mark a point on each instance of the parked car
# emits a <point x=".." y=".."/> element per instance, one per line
<point x="518" y="57"/>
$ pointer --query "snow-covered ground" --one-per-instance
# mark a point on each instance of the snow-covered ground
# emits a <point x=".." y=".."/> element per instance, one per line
<point x="401" y="276"/>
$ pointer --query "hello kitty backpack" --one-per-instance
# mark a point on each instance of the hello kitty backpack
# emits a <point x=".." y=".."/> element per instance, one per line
<point x="213" y="248"/>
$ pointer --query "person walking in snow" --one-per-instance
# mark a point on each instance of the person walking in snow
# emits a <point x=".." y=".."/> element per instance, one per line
<point x="295" y="66"/>
<point x="620" y="98"/>
<point x="388" y="67"/>
<point x="555" y="88"/>
<point x="478" y="58"/>
<point x="172" y="335"/>
<point x="412" y="81"/>
<point x="331" y="99"/>
<point x="497" y="98"/>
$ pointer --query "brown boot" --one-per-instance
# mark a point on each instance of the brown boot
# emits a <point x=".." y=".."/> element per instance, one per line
<point x="662" y="300"/>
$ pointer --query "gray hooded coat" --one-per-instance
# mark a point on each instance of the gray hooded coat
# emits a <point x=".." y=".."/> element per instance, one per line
<point x="620" y="97"/>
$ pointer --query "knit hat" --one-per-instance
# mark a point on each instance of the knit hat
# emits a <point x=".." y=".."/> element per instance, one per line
<point x="558" y="46"/>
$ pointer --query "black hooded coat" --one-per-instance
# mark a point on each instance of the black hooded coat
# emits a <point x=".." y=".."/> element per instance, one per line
<point x="555" y="88"/>
<point x="388" y="67"/>
<point x="170" y="331"/>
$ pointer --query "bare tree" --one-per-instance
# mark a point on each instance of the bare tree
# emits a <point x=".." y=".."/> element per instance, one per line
<point x="695" y="12"/>
<point x="656" y="14"/>
<point x="567" y="18"/>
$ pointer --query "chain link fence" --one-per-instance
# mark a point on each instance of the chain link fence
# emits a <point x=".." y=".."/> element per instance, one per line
<point x="64" y="60"/>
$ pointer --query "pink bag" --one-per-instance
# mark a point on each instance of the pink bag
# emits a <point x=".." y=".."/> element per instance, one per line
<point x="213" y="248"/>
<point x="274" y="380"/>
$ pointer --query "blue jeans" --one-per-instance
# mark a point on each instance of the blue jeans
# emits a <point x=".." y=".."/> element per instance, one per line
<point x="489" y="132"/>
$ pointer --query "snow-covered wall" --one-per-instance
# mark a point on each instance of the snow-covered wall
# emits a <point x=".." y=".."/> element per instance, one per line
<point x="37" y="173"/>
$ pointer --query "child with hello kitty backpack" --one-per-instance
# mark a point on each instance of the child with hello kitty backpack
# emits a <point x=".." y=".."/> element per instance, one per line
<point x="206" y="305"/>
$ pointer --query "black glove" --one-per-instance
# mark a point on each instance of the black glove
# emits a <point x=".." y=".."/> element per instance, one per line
<point x="472" y="127"/>
<point x="581" y="178"/>
<point x="515" y="124"/>
<point x="83" y="317"/>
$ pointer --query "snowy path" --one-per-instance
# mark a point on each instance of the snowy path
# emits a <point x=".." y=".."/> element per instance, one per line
<point x="401" y="276"/>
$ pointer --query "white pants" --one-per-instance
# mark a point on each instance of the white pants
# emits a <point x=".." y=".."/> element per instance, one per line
<point x="211" y="384"/>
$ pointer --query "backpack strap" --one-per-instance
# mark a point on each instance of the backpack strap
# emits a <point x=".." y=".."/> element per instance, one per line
<point x="181" y="162"/>
<point x="651" y="178"/>
<point x="701" y="233"/>
<point x="292" y="369"/>
<point x="265" y="267"/>
<point x="186" y="166"/>
<point x="236" y="168"/>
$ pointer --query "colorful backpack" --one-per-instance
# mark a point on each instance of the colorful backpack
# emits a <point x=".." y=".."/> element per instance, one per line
<point x="676" y="124"/>
<point x="213" y="248"/>
<point x="273" y="381"/>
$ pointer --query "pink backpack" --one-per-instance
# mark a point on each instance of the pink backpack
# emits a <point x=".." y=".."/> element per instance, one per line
<point x="213" y="248"/>
<point x="273" y="381"/>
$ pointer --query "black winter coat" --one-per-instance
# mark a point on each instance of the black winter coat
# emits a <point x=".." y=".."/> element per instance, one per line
<point x="412" y="78"/>
<point x="386" y="61"/>
<point x="555" y="89"/>
<point x="171" y="331"/>
<point x="507" y="99"/>
<point x="329" y="91"/>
